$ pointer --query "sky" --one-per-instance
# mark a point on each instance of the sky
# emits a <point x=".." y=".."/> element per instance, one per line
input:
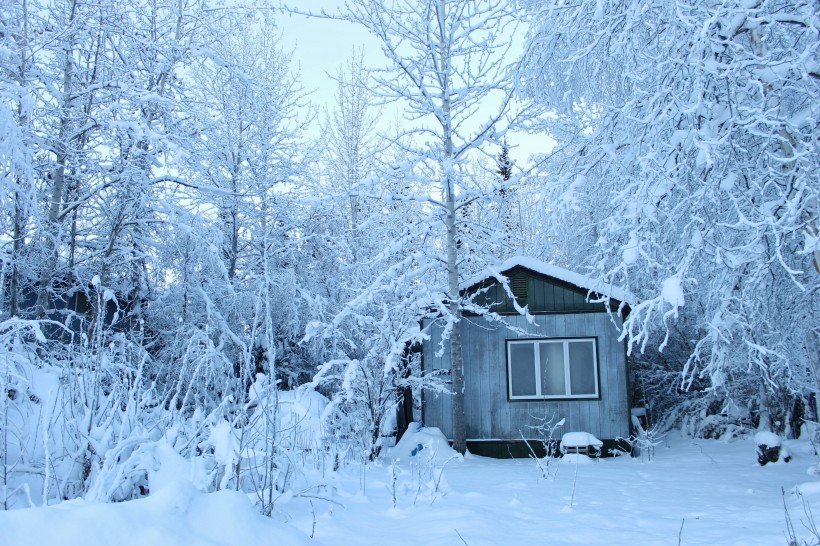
<point x="320" y="47"/>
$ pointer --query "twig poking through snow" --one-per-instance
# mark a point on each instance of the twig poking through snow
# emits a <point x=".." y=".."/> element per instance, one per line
<point x="461" y="537"/>
<point x="680" y="532"/>
<point x="574" y="482"/>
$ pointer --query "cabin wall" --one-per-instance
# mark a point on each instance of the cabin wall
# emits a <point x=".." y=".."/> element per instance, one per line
<point x="70" y="311"/>
<point x="490" y="415"/>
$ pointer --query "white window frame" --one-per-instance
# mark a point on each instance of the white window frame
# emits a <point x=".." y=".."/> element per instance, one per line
<point x="565" y="341"/>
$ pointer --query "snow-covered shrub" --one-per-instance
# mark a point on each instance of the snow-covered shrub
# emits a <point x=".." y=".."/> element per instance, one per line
<point x="23" y="410"/>
<point x="645" y="438"/>
<point x="360" y="412"/>
<point x="701" y="411"/>
<point x="365" y="393"/>
<point x="281" y="438"/>
<point x="547" y="429"/>
<point x="770" y="448"/>
<point x="73" y="415"/>
<point x="419" y="459"/>
<point x="112" y="412"/>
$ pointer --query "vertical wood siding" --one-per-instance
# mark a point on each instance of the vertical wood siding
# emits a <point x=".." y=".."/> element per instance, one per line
<point x="544" y="295"/>
<point x="489" y="413"/>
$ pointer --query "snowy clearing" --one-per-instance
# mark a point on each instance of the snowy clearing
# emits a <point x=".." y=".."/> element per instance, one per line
<point x="716" y="490"/>
<point x="703" y="491"/>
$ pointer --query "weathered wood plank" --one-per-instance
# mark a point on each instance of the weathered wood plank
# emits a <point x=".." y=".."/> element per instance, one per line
<point x="593" y="326"/>
<point x="470" y="376"/>
<point x="492" y="415"/>
<point x="483" y="415"/>
<point x="503" y="418"/>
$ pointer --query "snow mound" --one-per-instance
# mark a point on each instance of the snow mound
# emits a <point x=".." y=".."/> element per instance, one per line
<point x="580" y="439"/>
<point x="167" y="467"/>
<point x="672" y="292"/>
<point x="422" y="443"/>
<point x="177" y="515"/>
<point x="300" y="413"/>
<point x="770" y="448"/>
<point x="576" y="458"/>
<point x="808" y="489"/>
<point x="303" y="407"/>
<point x="769" y="439"/>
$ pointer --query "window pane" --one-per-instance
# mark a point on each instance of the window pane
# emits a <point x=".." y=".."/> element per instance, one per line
<point x="582" y="378"/>
<point x="522" y="369"/>
<point x="553" y="377"/>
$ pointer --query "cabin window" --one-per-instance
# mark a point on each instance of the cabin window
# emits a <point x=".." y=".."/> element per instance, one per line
<point x="552" y="368"/>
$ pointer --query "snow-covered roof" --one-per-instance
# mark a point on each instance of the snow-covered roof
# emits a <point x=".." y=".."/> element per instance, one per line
<point x="553" y="271"/>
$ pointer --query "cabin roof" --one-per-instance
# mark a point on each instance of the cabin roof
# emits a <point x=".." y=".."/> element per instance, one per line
<point x="553" y="271"/>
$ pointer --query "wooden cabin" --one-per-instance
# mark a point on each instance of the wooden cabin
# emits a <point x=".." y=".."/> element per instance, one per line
<point x="70" y="308"/>
<point x="566" y="364"/>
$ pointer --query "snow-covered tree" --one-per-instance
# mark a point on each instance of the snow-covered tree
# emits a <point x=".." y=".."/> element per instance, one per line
<point x="688" y="163"/>
<point x="121" y="175"/>
<point x="447" y="66"/>
<point x="350" y="139"/>
<point x="509" y="208"/>
<point x="18" y="197"/>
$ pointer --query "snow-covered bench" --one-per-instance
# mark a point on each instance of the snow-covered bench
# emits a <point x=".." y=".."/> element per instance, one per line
<point x="581" y="442"/>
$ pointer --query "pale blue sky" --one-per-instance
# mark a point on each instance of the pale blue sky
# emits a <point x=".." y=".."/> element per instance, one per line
<point x="320" y="47"/>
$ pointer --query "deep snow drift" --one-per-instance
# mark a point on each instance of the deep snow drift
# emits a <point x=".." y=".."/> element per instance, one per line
<point x="176" y="515"/>
<point x="698" y="491"/>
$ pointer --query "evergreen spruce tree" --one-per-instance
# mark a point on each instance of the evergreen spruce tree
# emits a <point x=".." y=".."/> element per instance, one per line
<point x="504" y="165"/>
<point x="505" y="197"/>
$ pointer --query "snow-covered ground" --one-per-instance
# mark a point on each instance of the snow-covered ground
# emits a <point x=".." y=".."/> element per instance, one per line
<point x="692" y="492"/>
<point x="176" y="515"/>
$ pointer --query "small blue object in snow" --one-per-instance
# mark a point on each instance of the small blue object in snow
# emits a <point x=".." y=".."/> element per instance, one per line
<point x="416" y="450"/>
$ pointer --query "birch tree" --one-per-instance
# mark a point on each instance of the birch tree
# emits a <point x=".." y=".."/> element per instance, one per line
<point x="447" y="66"/>
<point x="18" y="192"/>
<point x="689" y="145"/>
<point x="350" y="137"/>
<point x="101" y="95"/>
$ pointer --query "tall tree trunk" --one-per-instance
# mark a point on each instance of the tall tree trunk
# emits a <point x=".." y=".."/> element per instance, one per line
<point x="765" y="422"/>
<point x="19" y="213"/>
<point x="459" y="428"/>
<point x="61" y="152"/>
<point x="813" y="350"/>
<point x="17" y="245"/>
<point x="457" y="365"/>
